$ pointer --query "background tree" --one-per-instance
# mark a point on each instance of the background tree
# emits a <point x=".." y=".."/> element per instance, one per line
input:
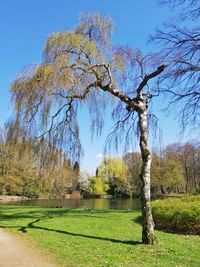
<point x="157" y="174"/>
<point x="97" y="186"/>
<point x="173" y="178"/>
<point x="167" y="172"/>
<point x="179" y="44"/>
<point x="134" y="162"/>
<point x="188" y="156"/>
<point x="81" y="66"/>
<point x="84" y="183"/>
<point x="27" y="170"/>
<point x="115" y="172"/>
<point x="76" y="176"/>
<point x="190" y="8"/>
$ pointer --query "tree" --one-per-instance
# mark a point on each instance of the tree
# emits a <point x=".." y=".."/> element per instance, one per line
<point x="172" y="171"/>
<point x="115" y="172"/>
<point x="190" y="8"/>
<point x="134" y="162"/>
<point x="97" y="186"/>
<point x="190" y="159"/>
<point x="81" y="66"/>
<point x="180" y="43"/>
<point x="167" y="171"/>
<point x="188" y="156"/>
<point x="27" y="170"/>
<point x="17" y="174"/>
<point x="75" y="175"/>
<point x="157" y="174"/>
<point x="84" y="182"/>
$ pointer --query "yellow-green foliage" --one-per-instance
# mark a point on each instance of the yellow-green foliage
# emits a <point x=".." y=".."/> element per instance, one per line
<point x="167" y="173"/>
<point x="27" y="170"/>
<point x="115" y="172"/>
<point x="59" y="43"/>
<point x="111" y="168"/>
<point x="17" y="171"/>
<point x="99" y="28"/>
<point x="75" y="62"/>
<point x="97" y="186"/>
<point x="178" y="214"/>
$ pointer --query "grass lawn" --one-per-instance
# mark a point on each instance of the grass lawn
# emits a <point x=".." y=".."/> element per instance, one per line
<point x="77" y="237"/>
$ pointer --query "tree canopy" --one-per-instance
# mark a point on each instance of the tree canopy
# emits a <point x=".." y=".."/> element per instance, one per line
<point x="78" y="67"/>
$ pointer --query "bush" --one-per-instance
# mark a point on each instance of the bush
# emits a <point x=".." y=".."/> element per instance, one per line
<point x="120" y="189"/>
<point x="178" y="214"/>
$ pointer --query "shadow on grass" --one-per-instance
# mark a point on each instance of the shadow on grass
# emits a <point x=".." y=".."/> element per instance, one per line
<point x="50" y="212"/>
<point x="138" y="220"/>
<point x="56" y="213"/>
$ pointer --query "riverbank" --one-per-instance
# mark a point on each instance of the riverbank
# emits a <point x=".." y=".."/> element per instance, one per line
<point x="87" y="238"/>
<point x="6" y="199"/>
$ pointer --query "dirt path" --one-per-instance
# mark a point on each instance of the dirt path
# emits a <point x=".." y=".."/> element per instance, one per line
<point x="14" y="252"/>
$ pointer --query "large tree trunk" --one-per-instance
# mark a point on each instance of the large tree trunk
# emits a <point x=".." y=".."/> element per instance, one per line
<point x="148" y="236"/>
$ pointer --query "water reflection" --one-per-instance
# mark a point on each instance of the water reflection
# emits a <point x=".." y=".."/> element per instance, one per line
<point x="120" y="204"/>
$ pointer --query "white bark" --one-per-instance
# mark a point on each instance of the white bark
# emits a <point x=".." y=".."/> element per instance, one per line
<point x="147" y="224"/>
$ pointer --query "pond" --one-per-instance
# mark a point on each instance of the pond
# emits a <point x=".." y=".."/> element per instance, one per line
<point x="99" y="203"/>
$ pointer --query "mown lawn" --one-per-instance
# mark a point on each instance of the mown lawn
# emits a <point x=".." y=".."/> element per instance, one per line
<point x="77" y="237"/>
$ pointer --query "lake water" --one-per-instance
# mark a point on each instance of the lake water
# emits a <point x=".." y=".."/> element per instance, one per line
<point x="121" y="204"/>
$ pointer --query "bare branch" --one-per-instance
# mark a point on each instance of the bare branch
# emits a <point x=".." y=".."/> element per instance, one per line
<point x="148" y="77"/>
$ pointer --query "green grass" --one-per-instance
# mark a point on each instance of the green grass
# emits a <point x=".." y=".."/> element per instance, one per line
<point x="178" y="214"/>
<point x="77" y="237"/>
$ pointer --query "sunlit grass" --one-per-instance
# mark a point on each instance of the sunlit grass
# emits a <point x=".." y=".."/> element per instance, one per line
<point x="77" y="237"/>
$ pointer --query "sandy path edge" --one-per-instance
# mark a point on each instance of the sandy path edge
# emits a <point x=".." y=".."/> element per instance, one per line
<point x="15" y="252"/>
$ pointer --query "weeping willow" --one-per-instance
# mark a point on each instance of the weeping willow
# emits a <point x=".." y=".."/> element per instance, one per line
<point x="81" y="66"/>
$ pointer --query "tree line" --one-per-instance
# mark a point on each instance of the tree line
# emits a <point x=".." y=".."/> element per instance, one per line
<point x="26" y="169"/>
<point x="175" y="169"/>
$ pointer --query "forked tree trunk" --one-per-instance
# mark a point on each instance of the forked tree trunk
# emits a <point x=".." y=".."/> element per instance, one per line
<point x="148" y="236"/>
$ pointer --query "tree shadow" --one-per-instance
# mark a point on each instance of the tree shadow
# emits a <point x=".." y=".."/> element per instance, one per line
<point x="137" y="220"/>
<point x="52" y="214"/>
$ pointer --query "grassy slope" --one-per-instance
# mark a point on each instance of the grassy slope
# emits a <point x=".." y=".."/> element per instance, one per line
<point x="78" y="237"/>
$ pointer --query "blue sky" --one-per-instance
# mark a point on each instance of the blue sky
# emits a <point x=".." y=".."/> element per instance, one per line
<point x="25" y="25"/>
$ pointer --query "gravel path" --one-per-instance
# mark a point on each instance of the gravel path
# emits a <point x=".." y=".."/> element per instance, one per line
<point x="14" y="252"/>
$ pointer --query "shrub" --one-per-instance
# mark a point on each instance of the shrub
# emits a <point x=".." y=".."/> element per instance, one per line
<point x="178" y="214"/>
